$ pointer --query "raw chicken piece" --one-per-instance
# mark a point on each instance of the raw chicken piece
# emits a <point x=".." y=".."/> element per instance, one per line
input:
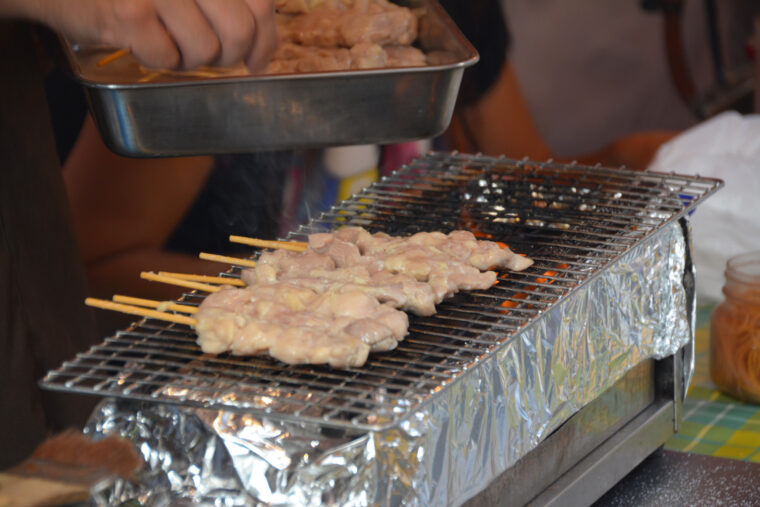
<point x="315" y="269"/>
<point x="306" y="346"/>
<point x="373" y="331"/>
<point x="342" y="253"/>
<point x="319" y="28"/>
<point x="462" y="245"/>
<point x="445" y="275"/>
<point x="380" y="324"/>
<point x="448" y="263"/>
<point x="304" y="6"/>
<point x="232" y="319"/>
<point x="316" y="33"/>
<point x="418" y="297"/>
<point x="398" y="291"/>
<point x="382" y="24"/>
<point x="404" y="56"/>
<point x="412" y="273"/>
<point x="367" y="55"/>
<point x="291" y="58"/>
<point x="273" y="266"/>
<point x="393" y="25"/>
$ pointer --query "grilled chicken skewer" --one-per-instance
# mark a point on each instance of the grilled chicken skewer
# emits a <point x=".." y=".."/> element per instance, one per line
<point x="413" y="273"/>
<point x="290" y="323"/>
<point x="343" y="276"/>
<point x="336" y="299"/>
<point x="298" y="325"/>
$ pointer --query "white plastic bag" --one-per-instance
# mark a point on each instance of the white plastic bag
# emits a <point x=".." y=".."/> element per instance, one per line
<point x="727" y="223"/>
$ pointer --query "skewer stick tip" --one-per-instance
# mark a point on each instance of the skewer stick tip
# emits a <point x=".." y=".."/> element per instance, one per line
<point x="235" y="261"/>
<point x="293" y="246"/>
<point x="112" y="57"/>
<point x="189" y="284"/>
<point x="137" y="310"/>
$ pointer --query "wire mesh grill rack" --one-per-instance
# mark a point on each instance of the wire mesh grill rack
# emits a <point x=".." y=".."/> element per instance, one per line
<point x="572" y="220"/>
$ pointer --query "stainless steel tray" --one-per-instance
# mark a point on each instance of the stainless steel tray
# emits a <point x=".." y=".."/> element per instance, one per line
<point x="192" y="116"/>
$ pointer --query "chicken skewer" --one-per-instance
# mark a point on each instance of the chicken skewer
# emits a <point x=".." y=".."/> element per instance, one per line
<point x="335" y="301"/>
<point x="235" y="261"/>
<point x="290" y="323"/>
<point x="354" y="322"/>
<point x="222" y="280"/>
<point x="161" y="306"/>
<point x="414" y="273"/>
<point x="298" y="325"/>
<point x="154" y="277"/>
<point x="138" y="310"/>
<point x="294" y="246"/>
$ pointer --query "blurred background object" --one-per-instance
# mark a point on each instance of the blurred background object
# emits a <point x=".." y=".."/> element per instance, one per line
<point x="757" y="64"/>
<point x="63" y="469"/>
<point x="725" y="147"/>
<point x="593" y="71"/>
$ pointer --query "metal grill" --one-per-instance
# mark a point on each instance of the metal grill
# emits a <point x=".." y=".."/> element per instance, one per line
<point x="572" y="220"/>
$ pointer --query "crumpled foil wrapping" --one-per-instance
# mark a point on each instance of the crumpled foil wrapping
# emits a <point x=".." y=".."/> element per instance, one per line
<point x="470" y="432"/>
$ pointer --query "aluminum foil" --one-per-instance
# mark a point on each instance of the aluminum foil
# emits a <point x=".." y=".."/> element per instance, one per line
<point x="640" y="307"/>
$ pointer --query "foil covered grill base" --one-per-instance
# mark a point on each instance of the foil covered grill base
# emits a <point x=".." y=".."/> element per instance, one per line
<point x="640" y="307"/>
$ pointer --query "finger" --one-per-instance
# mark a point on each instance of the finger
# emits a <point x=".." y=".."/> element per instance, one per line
<point x="234" y="26"/>
<point x="265" y="35"/>
<point x="136" y="26"/>
<point x="192" y="33"/>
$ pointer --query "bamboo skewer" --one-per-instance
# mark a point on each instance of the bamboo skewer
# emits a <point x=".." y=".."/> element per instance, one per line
<point x="293" y="246"/>
<point x="154" y="277"/>
<point x="143" y="312"/>
<point x="151" y="303"/>
<point x="156" y="309"/>
<point x="150" y="76"/>
<point x="235" y="261"/>
<point x="205" y="278"/>
<point x="112" y="57"/>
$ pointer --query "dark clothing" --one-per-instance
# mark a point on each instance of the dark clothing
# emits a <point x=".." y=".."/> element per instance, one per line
<point x="484" y="25"/>
<point x="43" y="320"/>
<point x="68" y="109"/>
<point x="243" y="195"/>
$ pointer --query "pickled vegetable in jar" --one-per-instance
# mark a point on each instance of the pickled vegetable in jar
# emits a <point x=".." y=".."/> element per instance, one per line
<point x="735" y="330"/>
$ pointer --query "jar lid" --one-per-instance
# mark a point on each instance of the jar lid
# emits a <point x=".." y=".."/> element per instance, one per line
<point x="745" y="267"/>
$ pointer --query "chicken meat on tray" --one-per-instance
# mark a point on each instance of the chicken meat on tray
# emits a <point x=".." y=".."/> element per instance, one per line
<point x="331" y="36"/>
<point x="335" y="35"/>
<point x="343" y="296"/>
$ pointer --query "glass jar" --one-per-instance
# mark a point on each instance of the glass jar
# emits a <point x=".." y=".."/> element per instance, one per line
<point x="735" y="330"/>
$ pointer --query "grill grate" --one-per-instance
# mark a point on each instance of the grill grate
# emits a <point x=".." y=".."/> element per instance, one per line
<point x="572" y="220"/>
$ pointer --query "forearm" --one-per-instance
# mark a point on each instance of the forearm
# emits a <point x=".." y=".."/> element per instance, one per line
<point x="634" y="151"/>
<point x="25" y="9"/>
<point x="80" y="20"/>
<point x="48" y="12"/>
<point x="500" y="123"/>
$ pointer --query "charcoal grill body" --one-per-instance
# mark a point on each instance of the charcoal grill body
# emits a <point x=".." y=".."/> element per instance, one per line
<point x="550" y="386"/>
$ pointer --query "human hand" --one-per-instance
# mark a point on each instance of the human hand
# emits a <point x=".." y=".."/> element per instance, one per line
<point x="169" y="34"/>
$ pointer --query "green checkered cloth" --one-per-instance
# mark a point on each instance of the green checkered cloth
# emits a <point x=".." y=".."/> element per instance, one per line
<point x="715" y="424"/>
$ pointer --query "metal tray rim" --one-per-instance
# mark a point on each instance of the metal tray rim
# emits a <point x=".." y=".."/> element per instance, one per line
<point x="221" y="80"/>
